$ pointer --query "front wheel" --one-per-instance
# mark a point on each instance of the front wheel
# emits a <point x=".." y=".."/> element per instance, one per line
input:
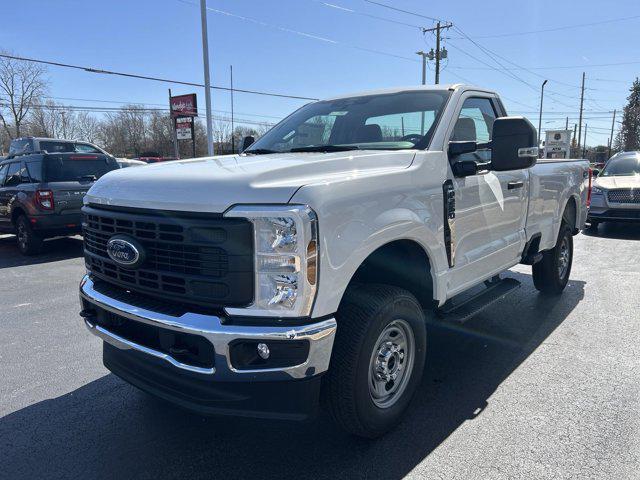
<point x="377" y="360"/>
<point x="551" y="274"/>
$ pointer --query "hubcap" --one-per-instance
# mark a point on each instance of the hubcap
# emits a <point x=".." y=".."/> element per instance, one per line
<point x="564" y="256"/>
<point x="391" y="363"/>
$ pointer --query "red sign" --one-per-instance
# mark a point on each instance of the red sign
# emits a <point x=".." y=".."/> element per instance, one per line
<point x="184" y="106"/>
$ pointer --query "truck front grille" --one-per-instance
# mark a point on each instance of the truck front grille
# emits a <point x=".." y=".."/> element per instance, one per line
<point x="624" y="195"/>
<point x="200" y="259"/>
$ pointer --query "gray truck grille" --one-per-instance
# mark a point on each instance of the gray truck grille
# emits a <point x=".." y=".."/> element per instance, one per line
<point x="624" y="195"/>
<point x="194" y="259"/>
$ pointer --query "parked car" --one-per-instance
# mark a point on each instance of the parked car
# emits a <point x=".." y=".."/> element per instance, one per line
<point x="41" y="194"/>
<point x="305" y="267"/>
<point x="51" y="145"/>
<point x="128" y="162"/>
<point x="615" y="196"/>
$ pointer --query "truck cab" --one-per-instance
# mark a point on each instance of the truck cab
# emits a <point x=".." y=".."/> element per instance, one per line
<point x="308" y="265"/>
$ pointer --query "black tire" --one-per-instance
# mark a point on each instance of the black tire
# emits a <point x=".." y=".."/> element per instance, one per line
<point x="366" y="313"/>
<point x="29" y="243"/>
<point x="548" y="276"/>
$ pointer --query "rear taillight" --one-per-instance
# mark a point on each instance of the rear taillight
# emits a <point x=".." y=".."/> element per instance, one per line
<point x="590" y="184"/>
<point x="44" y="199"/>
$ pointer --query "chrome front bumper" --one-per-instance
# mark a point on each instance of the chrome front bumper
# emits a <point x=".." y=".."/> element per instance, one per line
<point x="320" y="336"/>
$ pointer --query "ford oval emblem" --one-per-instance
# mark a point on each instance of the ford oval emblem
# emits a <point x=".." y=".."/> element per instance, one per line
<point x="125" y="251"/>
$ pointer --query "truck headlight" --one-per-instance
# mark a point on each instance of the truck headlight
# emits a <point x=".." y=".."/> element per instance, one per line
<point x="286" y="253"/>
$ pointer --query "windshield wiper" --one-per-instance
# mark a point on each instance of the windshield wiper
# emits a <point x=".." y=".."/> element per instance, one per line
<point x="260" y="151"/>
<point x="325" y="148"/>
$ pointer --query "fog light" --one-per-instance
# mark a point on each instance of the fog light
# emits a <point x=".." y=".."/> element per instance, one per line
<point x="263" y="351"/>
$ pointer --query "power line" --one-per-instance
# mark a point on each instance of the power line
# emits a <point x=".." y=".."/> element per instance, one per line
<point x="363" y="14"/>
<point x="384" y="5"/>
<point x="556" y="29"/>
<point x="145" y="77"/>
<point x="301" y="33"/>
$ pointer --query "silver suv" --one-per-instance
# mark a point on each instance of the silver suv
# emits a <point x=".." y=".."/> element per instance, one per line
<point x="615" y="196"/>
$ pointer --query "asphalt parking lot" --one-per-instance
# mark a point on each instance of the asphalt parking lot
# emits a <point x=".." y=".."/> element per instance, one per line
<point x="534" y="387"/>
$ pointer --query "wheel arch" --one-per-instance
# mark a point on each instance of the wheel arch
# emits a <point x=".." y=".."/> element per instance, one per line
<point x="403" y="263"/>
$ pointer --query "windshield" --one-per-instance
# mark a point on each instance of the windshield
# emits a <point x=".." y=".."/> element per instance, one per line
<point x="622" y="166"/>
<point x="68" y="147"/>
<point x="380" y="122"/>
<point x="68" y="168"/>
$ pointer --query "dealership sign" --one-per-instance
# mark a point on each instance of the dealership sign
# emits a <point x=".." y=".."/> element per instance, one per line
<point x="184" y="128"/>
<point x="184" y="106"/>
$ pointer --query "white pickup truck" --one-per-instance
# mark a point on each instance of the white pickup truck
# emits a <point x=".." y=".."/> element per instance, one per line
<point x="306" y="268"/>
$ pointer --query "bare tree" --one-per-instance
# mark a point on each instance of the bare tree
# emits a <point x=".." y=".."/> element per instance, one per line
<point x="21" y="85"/>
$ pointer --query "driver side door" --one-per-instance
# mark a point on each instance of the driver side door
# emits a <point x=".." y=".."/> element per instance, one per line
<point x="490" y="207"/>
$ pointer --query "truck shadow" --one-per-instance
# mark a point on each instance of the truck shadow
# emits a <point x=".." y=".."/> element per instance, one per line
<point x="53" y="250"/>
<point x="618" y="231"/>
<point x="107" y="429"/>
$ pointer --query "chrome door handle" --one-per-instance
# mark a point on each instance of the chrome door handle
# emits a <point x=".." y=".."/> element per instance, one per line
<point x="513" y="185"/>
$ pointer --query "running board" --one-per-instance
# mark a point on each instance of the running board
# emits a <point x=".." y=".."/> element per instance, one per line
<point x="460" y="312"/>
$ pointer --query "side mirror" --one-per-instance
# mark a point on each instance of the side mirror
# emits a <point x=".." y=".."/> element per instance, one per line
<point x="458" y="148"/>
<point x="464" y="168"/>
<point x="513" y="144"/>
<point x="247" y="142"/>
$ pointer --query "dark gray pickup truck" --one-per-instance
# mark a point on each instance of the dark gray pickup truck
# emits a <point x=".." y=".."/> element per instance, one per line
<point x="41" y="194"/>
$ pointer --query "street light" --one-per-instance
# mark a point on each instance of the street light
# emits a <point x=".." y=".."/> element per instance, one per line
<point x="540" y="116"/>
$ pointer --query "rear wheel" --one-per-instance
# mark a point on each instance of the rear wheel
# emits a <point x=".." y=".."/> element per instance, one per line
<point x="551" y="274"/>
<point x="29" y="243"/>
<point x="377" y="360"/>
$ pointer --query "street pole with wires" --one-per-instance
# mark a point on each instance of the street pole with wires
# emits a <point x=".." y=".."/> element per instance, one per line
<point x="613" y="124"/>
<point x="581" y="105"/>
<point x="439" y="53"/>
<point x="540" y="115"/>
<point x="207" y="79"/>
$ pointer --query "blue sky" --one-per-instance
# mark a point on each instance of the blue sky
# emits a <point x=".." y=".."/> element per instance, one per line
<point x="318" y="49"/>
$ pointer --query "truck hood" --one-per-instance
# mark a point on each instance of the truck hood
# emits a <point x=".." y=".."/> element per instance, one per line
<point x="617" y="182"/>
<point x="213" y="184"/>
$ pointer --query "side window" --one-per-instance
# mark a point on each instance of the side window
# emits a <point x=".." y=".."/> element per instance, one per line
<point x="13" y="175"/>
<point x="3" y="173"/>
<point x="35" y="170"/>
<point x="475" y="122"/>
<point x="85" y="148"/>
<point x="24" y="174"/>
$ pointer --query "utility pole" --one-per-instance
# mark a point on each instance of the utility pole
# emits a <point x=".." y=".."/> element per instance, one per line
<point x="207" y="79"/>
<point x="439" y="53"/>
<point x="613" y="124"/>
<point x="233" y="142"/>
<point x="581" y="105"/>
<point x="566" y="124"/>
<point x="540" y="116"/>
